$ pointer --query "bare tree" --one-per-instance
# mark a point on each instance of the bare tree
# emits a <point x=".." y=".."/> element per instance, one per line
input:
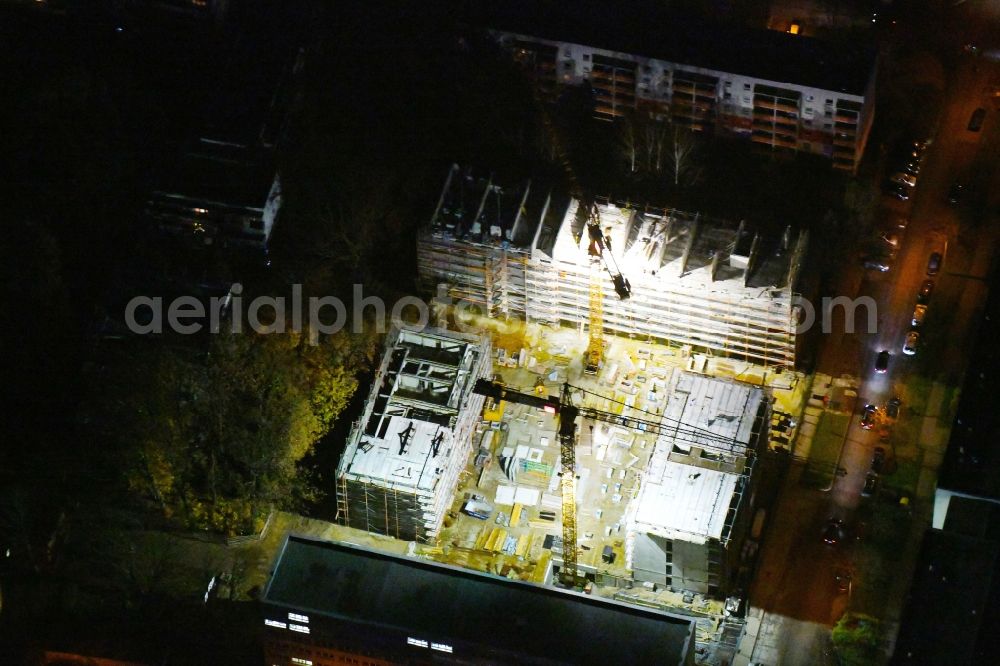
<point x="682" y="151"/>
<point x="654" y="139"/>
<point x="628" y="140"/>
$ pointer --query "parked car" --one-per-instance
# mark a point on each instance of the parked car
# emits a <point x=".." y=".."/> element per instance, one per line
<point x="878" y="459"/>
<point x="955" y="193"/>
<point x="911" y="167"/>
<point x="892" y="408"/>
<point x="882" y="362"/>
<point x="976" y="120"/>
<point x="834" y="531"/>
<point x="919" y="312"/>
<point x="879" y="265"/>
<point x="890" y="239"/>
<point x="871" y="481"/>
<point x="910" y="346"/>
<point x="897" y="191"/>
<point x="901" y="178"/>
<point x="934" y="263"/>
<point x="842" y="577"/>
<point x="926" y="289"/>
<point x="868" y="418"/>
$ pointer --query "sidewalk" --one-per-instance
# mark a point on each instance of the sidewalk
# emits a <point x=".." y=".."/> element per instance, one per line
<point x="825" y="422"/>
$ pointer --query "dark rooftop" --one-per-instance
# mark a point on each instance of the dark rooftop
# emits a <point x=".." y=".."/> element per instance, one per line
<point x="540" y="623"/>
<point x="952" y="611"/>
<point x="221" y="173"/>
<point x="972" y="462"/>
<point x="646" y="29"/>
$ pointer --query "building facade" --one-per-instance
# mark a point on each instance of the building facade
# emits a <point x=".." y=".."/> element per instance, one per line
<point x="706" y="284"/>
<point x="785" y="92"/>
<point x="400" y="468"/>
<point x="691" y="517"/>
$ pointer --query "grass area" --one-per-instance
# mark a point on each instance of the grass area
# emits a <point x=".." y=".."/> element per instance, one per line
<point x="949" y="405"/>
<point x="825" y="451"/>
<point x="904" y="477"/>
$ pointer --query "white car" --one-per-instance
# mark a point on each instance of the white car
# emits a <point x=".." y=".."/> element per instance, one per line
<point x="910" y="346"/>
<point x="904" y="179"/>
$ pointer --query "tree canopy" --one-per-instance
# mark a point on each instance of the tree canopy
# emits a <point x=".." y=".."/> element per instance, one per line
<point x="213" y="437"/>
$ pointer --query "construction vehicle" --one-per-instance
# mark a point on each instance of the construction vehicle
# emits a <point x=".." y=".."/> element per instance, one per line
<point x="563" y="407"/>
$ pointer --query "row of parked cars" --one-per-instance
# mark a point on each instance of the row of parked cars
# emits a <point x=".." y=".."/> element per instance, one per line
<point x="905" y="165"/>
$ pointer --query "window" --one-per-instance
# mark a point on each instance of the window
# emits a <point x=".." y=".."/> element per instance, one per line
<point x="567" y="65"/>
<point x="827" y="125"/>
<point x="746" y="86"/>
<point x="647" y="69"/>
<point x="586" y="56"/>
<point x="809" y="98"/>
<point x="728" y="95"/>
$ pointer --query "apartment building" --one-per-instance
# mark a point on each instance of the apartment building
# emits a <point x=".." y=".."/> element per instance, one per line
<point x="400" y="468"/>
<point x="785" y="92"/>
<point x="713" y="286"/>
<point x="688" y="524"/>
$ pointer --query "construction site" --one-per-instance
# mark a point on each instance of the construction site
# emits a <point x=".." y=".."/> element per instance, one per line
<point x="664" y="466"/>
<point x="598" y="421"/>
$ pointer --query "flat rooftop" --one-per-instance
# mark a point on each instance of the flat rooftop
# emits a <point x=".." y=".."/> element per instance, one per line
<point x="677" y="500"/>
<point x="405" y="456"/>
<point x="405" y="436"/>
<point x="972" y="461"/>
<point x="472" y="612"/>
<point x="648" y="29"/>
<point x="953" y="607"/>
<point x="717" y="414"/>
<point x="697" y="466"/>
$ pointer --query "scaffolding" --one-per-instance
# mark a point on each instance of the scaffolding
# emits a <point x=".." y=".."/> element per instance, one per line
<point x="403" y="457"/>
<point x="718" y="287"/>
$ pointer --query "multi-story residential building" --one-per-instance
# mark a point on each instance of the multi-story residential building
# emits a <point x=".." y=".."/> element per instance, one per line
<point x="706" y="284"/>
<point x="220" y="194"/>
<point x="783" y="91"/>
<point x="688" y="524"/>
<point x="400" y="468"/>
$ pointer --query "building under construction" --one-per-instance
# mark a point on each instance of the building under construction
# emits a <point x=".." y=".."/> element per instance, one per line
<point x="400" y="468"/>
<point x="688" y="523"/>
<point x="708" y="285"/>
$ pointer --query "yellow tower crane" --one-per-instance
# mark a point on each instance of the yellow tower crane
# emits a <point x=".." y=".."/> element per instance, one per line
<point x="601" y="259"/>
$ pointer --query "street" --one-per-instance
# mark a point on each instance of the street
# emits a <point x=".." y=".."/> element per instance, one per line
<point x="795" y="584"/>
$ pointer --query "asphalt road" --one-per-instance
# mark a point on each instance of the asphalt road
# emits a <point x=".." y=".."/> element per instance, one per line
<point x="795" y="582"/>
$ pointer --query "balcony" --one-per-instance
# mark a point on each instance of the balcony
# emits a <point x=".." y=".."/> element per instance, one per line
<point x="617" y="75"/>
<point x="777" y="104"/>
<point x="843" y="163"/>
<point x="843" y="141"/>
<point x="767" y="119"/>
<point x="699" y="89"/>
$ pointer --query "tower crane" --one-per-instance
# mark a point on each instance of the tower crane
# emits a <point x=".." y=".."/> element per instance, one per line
<point x="599" y="251"/>
<point x="568" y="413"/>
